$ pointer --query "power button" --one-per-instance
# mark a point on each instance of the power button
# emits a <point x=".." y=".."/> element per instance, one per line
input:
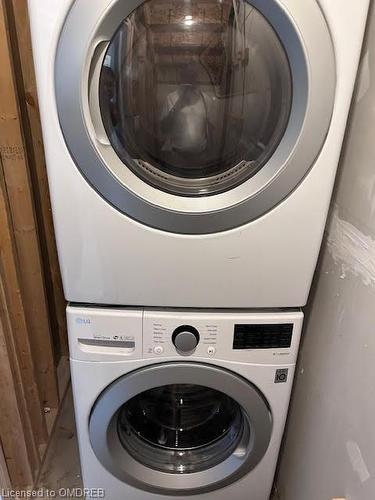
<point x="158" y="349"/>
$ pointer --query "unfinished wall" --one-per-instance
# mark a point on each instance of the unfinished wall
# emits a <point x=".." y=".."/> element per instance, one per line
<point x="33" y="336"/>
<point x="330" y="442"/>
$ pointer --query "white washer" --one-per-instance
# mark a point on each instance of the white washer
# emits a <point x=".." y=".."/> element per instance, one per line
<point x="193" y="143"/>
<point x="181" y="403"/>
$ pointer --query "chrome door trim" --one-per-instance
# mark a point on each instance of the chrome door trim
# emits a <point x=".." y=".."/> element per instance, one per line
<point x="306" y="39"/>
<point x="113" y="456"/>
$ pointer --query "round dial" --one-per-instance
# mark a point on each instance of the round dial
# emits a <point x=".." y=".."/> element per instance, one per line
<point x="185" y="338"/>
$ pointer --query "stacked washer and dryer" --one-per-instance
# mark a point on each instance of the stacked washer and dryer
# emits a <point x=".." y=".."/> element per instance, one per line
<point x="192" y="147"/>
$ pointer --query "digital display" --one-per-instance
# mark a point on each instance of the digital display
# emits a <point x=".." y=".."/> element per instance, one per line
<point x="263" y="336"/>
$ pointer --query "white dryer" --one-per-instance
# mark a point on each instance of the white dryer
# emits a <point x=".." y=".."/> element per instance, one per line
<point x="192" y="145"/>
<point x="181" y="403"/>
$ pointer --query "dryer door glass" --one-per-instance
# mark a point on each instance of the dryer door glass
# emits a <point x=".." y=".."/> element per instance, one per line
<point x="181" y="428"/>
<point x="195" y="96"/>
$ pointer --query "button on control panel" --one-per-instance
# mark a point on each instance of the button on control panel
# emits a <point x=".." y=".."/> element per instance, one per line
<point x="211" y="351"/>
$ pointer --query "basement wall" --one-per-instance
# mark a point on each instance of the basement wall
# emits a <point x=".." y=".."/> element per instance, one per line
<point x="329" y="449"/>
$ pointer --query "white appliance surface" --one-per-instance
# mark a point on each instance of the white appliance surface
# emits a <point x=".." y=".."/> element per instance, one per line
<point x="96" y="362"/>
<point x="108" y="258"/>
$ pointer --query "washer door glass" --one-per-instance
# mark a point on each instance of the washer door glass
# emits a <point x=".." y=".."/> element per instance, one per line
<point x="181" y="428"/>
<point x="195" y="96"/>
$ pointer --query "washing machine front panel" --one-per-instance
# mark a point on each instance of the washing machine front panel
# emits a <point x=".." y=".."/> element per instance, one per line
<point x="194" y="118"/>
<point x="180" y="428"/>
<point x="185" y="426"/>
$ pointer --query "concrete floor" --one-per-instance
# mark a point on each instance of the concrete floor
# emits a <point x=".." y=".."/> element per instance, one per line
<point x="61" y="468"/>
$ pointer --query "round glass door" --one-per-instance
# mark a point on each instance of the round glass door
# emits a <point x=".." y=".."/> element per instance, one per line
<point x="194" y="116"/>
<point x="181" y="428"/>
<point x="195" y="96"/>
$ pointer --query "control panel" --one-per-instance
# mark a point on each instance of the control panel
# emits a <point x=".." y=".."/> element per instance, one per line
<point x="263" y="337"/>
<point x="124" y="333"/>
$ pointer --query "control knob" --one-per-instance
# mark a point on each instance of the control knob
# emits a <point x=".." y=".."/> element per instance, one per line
<point x="185" y="338"/>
